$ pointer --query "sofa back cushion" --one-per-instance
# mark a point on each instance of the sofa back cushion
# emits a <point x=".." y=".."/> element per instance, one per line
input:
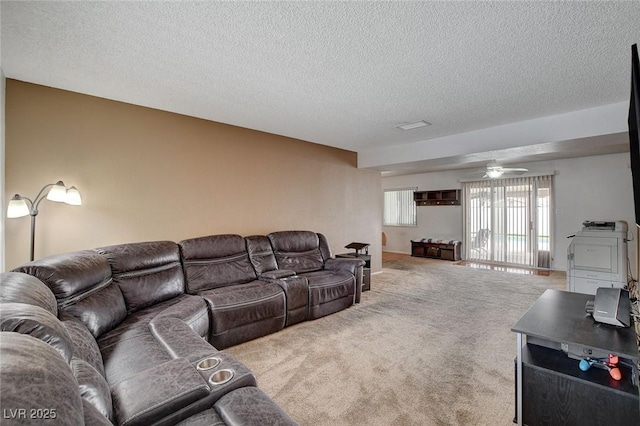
<point x="93" y="387"/>
<point x="323" y="245"/>
<point x="85" y="346"/>
<point x="147" y="273"/>
<point x="23" y="288"/>
<point x="100" y="311"/>
<point x="36" y="322"/>
<point x="82" y="284"/>
<point x="92" y="416"/>
<point x="297" y="250"/>
<point x="215" y="261"/>
<point x="69" y="274"/>
<point x="261" y="254"/>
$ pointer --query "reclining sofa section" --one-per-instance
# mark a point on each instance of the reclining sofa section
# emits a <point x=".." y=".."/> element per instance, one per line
<point x="130" y="323"/>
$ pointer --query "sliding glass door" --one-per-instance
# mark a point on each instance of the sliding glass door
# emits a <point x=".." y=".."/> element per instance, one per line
<point x="508" y="221"/>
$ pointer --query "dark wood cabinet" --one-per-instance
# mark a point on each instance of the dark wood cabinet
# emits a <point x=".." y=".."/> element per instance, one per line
<point x="445" y="197"/>
<point x="556" y="391"/>
<point x="553" y="389"/>
<point x="436" y="250"/>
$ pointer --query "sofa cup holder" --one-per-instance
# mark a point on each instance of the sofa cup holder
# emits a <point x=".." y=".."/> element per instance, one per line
<point x="221" y="377"/>
<point x="208" y="363"/>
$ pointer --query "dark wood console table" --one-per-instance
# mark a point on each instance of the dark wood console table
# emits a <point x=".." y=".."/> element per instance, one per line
<point x="437" y="250"/>
<point x="550" y="387"/>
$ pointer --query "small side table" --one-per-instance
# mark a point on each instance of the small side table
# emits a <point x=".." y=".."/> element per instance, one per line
<point x="366" y="273"/>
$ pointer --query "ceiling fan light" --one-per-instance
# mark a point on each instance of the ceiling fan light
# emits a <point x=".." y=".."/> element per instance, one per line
<point x="494" y="173"/>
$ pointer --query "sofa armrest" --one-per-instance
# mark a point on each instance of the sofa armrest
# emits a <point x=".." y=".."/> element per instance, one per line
<point x="180" y="340"/>
<point x="355" y="266"/>
<point x="251" y="406"/>
<point x="296" y="290"/>
<point x="154" y="394"/>
<point x="242" y="378"/>
<point x="277" y="274"/>
<point x="350" y="265"/>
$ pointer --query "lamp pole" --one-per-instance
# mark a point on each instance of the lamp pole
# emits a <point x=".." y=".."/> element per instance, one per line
<point x="33" y="212"/>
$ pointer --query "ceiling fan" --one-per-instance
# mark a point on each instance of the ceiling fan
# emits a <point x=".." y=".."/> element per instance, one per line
<point x="495" y="171"/>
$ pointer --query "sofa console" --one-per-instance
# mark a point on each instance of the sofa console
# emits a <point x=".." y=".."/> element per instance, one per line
<point x="132" y="334"/>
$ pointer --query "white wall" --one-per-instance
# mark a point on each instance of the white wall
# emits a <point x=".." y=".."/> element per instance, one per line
<point x="433" y="221"/>
<point x="592" y="188"/>
<point x="586" y="188"/>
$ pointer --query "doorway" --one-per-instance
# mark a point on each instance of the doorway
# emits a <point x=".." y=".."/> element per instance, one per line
<point x="508" y="221"/>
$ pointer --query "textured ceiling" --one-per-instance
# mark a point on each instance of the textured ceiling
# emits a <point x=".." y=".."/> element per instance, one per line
<point x="342" y="74"/>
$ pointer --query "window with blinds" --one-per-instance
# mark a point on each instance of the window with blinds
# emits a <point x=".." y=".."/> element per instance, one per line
<point x="509" y="220"/>
<point x="399" y="207"/>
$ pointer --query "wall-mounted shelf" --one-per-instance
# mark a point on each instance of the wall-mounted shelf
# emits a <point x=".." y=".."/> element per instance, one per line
<point x="445" y="197"/>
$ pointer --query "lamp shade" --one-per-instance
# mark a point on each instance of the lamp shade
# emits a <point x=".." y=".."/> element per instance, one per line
<point x="22" y="206"/>
<point x="73" y="197"/>
<point x="58" y="192"/>
<point x="17" y="207"/>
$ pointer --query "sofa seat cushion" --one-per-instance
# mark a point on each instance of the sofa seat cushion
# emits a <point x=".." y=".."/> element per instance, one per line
<point x="130" y="355"/>
<point x="245" y="311"/>
<point x="329" y="286"/>
<point x="190" y="309"/>
<point x="119" y="346"/>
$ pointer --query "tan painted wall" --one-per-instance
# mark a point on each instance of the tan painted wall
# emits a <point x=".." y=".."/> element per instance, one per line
<point x="146" y="174"/>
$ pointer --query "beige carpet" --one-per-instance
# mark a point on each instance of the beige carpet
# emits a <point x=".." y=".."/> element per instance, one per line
<point x="430" y="344"/>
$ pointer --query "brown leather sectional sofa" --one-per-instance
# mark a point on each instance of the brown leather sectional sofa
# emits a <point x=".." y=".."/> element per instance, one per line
<point x="132" y="334"/>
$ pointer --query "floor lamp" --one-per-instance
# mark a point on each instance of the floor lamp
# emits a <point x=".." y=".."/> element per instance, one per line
<point x="20" y="206"/>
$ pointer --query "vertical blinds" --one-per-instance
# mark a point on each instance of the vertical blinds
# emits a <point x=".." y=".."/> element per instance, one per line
<point x="509" y="220"/>
<point x="399" y="207"/>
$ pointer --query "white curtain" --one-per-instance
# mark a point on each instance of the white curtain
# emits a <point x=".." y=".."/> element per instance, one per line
<point x="508" y="221"/>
